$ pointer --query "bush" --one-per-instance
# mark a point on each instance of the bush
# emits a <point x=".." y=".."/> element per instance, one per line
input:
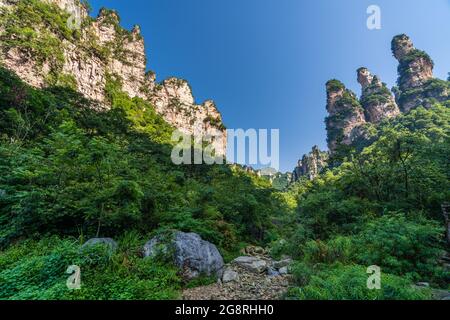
<point x="337" y="249"/>
<point x="340" y="282"/>
<point x="37" y="270"/>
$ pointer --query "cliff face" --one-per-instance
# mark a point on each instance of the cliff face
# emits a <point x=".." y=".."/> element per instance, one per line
<point x="72" y="49"/>
<point x="416" y="84"/>
<point x="349" y="117"/>
<point x="416" y="67"/>
<point x="311" y="165"/>
<point x="351" y="121"/>
<point x="346" y="115"/>
<point x="377" y="100"/>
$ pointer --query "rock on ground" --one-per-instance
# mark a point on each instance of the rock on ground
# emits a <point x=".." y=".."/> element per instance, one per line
<point x="255" y="277"/>
<point x="192" y="254"/>
<point x="249" y="286"/>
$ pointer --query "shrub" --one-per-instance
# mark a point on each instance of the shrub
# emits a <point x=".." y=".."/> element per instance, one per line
<point x="37" y="270"/>
<point x="403" y="246"/>
<point x="340" y="282"/>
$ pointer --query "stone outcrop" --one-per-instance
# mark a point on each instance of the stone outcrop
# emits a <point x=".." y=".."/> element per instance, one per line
<point x="173" y="99"/>
<point x="311" y="165"/>
<point x="416" y="84"/>
<point x="416" y="67"/>
<point x="346" y="115"/>
<point x="189" y="252"/>
<point x="377" y="100"/>
<point x="102" y="48"/>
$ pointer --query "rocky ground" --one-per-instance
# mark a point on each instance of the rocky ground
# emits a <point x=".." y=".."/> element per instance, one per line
<point x="254" y="276"/>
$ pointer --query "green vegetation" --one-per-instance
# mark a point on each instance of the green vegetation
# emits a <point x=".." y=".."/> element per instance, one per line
<point x="335" y="85"/>
<point x="215" y="122"/>
<point x="75" y="173"/>
<point x="348" y="282"/>
<point x="433" y="91"/>
<point x="69" y="173"/>
<point x="37" y="29"/>
<point x="404" y="67"/>
<point x="37" y="270"/>
<point x="71" y="170"/>
<point x="381" y="206"/>
<point x="379" y="95"/>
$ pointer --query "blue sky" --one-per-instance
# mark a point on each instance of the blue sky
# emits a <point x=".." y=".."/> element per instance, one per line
<point x="265" y="62"/>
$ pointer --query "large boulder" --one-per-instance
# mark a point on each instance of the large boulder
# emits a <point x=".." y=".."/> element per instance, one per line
<point x="107" y="242"/>
<point x="195" y="256"/>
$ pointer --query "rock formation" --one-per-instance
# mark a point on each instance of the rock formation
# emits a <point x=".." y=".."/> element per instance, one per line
<point x="416" y="67"/>
<point x="351" y="120"/>
<point x="86" y="51"/>
<point x="346" y="115"/>
<point x="416" y="84"/>
<point x="377" y="100"/>
<point x="190" y="253"/>
<point x="311" y="165"/>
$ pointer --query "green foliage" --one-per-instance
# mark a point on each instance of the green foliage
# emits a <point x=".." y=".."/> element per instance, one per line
<point x="335" y="85"/>
<point x="404" y="246"/>
<point x="349" y="282"/>
<point x="37" y="28"/>
<point x="215" y="122"/>
<point x="404" y="68"/>
<point x="140" y="112"/>
<point x="37" y="271"/>
<point x="350" y="214"/>
<point x="67" y="169"/>
<point x="431" y="92"/>
<point x="405" y="169"/>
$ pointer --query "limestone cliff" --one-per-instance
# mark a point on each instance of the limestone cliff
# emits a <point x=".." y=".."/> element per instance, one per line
<point x="311" y="165"/>
<point x="416" y="84"/>
<point x="346" y="115"/>
<point x="377" y="100"/>
<point x="56" y="42"/>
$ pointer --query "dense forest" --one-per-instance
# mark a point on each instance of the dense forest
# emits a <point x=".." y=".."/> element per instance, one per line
<point x="71" y="171"/>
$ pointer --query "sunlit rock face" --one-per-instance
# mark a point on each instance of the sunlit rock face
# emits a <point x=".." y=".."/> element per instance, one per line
<point x="416" y="83"/>
<point x="103" y="48"/>
<point x="416" y="67"/>
<point x="346" y="115"/>
<point x="311" y="165"/>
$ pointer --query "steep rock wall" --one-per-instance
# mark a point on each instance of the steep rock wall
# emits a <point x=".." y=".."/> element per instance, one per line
<point x="82" y="51"/>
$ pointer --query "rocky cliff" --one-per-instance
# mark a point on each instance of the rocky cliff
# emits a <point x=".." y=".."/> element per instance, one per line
<point x="377" y="100"/>
<point x="351" y="120"/>
<point x="346" y="115"/>
<point x="56" y="42"/>
<point x="416" y="83"/>
<point x="349" y="117"/>
<point x="311" y="165"/>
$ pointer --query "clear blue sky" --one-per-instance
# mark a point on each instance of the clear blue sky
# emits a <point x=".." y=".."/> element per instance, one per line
<point x="265" y="62"/>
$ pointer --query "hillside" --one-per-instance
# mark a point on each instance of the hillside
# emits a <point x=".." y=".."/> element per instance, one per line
<point x="86" y="180"/>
